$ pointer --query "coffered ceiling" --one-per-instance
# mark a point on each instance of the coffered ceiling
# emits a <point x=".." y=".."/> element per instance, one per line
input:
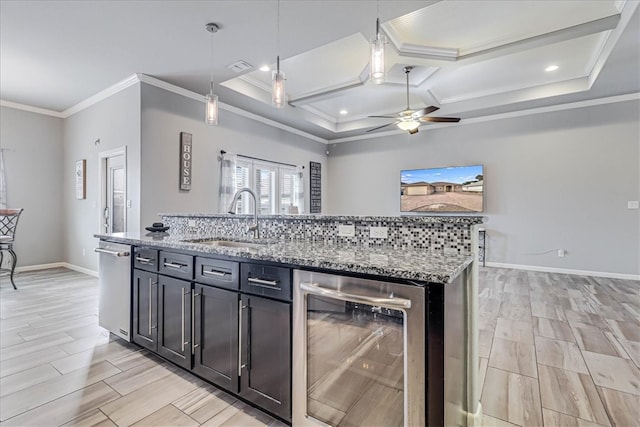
<point x="470" y="58"/>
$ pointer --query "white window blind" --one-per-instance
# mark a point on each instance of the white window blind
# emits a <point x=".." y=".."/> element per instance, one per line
<point x="278" y="187"/>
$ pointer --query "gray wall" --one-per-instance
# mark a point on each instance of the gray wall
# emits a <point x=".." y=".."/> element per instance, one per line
<point x="166" y="114"/>
<point x="116" y="122"/>
<point x="553" y="180"/>
<point x="32" y="145"/>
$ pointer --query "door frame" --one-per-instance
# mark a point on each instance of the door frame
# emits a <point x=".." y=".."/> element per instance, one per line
<point x="102" y="184"/>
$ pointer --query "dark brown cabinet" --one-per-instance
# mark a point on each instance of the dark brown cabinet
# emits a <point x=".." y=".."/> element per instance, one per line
<point x="174" y="320"/>
<point x="266" y="354"/>
<point x="228" y="322"/>
<point x="145" y="309"/>
<point x="215" y="344"/>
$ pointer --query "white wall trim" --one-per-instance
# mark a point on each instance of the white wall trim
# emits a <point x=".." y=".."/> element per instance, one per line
<point x="199" y="97"/>
<point x="531" y="111"/>
<point x="80" y="269"/>
<point x="564" y="271"/>
<point x="31" y="109"/>
<point x="56" y="265"/>
<point x="101" y="96"/>
<point x="39" y="267"/>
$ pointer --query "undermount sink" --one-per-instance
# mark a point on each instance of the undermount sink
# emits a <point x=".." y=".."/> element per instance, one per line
<point x="227" y="243"/>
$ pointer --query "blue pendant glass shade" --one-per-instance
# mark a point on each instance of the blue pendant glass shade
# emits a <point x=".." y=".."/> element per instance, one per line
<point x="278" y="95"/>
<point x="376" y="67"/>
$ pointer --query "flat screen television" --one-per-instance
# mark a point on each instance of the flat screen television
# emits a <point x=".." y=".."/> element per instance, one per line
<point x="457" y="189"/>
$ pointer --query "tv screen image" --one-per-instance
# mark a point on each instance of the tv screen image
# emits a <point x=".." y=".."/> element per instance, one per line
<point x="450" y="189"/>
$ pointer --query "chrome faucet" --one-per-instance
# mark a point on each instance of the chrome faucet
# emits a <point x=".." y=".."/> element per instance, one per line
<point x="234" y="202"/>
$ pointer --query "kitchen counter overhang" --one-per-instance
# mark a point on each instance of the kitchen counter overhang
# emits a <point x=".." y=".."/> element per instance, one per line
<point x="425" y="265"/>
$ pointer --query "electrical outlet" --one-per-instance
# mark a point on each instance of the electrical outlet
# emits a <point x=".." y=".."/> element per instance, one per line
<point x="346" y="230"/>
<point x="633" y="204"/>
<point x="561" y="252"/>
<point x="191" y="223"/>
<point x="129" y="203"/>
<point x="378" y="232"/>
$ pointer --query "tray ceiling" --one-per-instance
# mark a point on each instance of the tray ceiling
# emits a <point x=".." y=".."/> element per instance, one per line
<point x="470" y="58"/>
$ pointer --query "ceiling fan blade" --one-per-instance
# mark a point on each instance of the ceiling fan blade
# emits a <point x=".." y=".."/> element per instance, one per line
<point x="424" y="111"/>
<point x="440" y="119"/>
<point x="384" y="117"/>
<point x="380" y="127"/>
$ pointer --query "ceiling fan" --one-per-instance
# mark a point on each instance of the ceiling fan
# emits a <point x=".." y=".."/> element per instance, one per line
<point x="409" y="119"/>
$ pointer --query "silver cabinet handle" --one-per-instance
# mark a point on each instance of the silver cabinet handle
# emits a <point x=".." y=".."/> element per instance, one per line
<point x="394" y="303"/>
<point x="182" y="337"/>
<point x="174" y="265"/>
<point x="240" y="307"/>
<point x="110" y="252"/>
<point x="193" y="321"/>
<point x="150" y="301"/>
<point x="143" y="260"/>
<point x="214" y="273"/>
<point x="262" y="282"/>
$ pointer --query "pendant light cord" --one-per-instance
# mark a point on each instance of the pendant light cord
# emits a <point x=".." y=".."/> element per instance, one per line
<point x="211" y="64"/>
<point x="278" y="38"/>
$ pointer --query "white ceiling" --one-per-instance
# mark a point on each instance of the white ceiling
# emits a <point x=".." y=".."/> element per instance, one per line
<point x="471" y="58"/>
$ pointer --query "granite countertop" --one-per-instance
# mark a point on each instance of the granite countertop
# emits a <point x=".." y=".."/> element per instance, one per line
<point x="412" y="264"/>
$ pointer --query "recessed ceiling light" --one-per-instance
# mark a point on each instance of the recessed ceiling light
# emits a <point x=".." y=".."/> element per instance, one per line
<point x="264" y="68"/>
<point x="551" y="68"/>
<point x="343" y="112"/>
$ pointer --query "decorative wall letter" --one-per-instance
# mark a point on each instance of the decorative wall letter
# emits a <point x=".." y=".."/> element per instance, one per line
<point x="185" y="161"/>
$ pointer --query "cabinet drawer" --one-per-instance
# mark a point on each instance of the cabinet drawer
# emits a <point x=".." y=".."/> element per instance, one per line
<point x="266" y="280"/>
<point x="145" y="259"/>
<point x="176" y="265"/>
<point x="224" y="274"/>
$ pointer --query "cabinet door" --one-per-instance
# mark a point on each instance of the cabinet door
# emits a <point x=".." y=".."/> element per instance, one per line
<point x="266" y="354"/>
<point x="144" y="302"/>
<point x="216" y="336"/>
<point x="174" y="320"/>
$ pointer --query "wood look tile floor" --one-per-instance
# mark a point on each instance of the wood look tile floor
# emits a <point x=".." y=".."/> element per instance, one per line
<point x="555" y="350"/>
<point x="558" y="350"/>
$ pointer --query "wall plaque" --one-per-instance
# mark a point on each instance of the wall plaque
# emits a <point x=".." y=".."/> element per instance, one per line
<point x="186" y="156"/>
<point x="315" y="193"/>
<point x="81" y="179"/>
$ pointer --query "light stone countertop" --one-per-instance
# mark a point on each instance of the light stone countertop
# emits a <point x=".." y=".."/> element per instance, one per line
<point x="412" y="264"/>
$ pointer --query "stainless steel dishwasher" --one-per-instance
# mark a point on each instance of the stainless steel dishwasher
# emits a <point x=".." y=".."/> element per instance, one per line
<point x="114" y="282"/>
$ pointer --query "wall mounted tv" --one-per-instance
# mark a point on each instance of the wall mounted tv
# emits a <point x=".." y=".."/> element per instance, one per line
<point x="456" y="189"/>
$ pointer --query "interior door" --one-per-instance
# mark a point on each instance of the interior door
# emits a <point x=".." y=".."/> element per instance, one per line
<point x="114" y="213"/>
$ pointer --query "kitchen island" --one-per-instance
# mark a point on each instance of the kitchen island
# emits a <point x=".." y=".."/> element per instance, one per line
<point x="209" y="270"/>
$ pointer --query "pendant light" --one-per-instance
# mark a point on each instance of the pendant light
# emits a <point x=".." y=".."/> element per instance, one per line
<point x="278" y="95"/>
<point x="211" y="111"/>
<point x="376" y="67"/>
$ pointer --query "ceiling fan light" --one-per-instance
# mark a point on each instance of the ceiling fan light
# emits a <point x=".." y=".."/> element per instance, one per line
<point x="211" y="111"/>
<point x="409" y="125"/>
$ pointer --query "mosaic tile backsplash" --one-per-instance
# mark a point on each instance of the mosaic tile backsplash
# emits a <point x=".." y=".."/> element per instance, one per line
<point x="447" y="233"/>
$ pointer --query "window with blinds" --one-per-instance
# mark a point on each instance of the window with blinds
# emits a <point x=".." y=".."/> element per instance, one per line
<point x="278" y="187"/>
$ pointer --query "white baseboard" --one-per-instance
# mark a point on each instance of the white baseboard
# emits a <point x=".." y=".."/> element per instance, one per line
<point x="80" y="269"/>
<point x="564" y="271"/>
<point x="57" y="265"/>
<point x="475" y="420"/>
<point x="40" y="267"/>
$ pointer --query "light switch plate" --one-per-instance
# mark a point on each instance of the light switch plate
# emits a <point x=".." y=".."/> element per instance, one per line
<point x="346" y="230"/>
<point x="633" y="204"/>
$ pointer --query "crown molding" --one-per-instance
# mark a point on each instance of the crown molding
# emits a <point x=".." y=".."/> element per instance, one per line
<point x="198" y="97"/>
<point x="31" y="109"/>
<point x="521" y="113"/>
<point x="101" y="96"/>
